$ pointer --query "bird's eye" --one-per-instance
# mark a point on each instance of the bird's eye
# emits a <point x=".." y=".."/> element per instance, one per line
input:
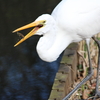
<point x="44" y="21"/>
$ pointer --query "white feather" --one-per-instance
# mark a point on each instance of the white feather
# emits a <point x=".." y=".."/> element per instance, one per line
<point x="70" y="21"/>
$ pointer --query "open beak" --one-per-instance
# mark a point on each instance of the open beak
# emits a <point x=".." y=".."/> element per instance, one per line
<point x="37" y="25"/>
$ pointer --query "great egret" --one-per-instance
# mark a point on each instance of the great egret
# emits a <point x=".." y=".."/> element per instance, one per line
<point x="70" y="21"/>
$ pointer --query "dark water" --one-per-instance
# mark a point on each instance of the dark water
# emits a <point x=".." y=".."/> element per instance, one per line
<point x="23" y="75"/>
<point x="29" y="79"/>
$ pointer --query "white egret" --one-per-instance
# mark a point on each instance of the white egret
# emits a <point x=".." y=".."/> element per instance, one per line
<point x="70" y="21"/>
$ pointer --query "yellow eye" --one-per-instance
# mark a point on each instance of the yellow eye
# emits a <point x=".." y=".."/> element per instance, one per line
<point x="44" y="21"/>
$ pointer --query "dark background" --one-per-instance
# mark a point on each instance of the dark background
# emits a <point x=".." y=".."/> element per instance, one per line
<point x="23" y="75"/>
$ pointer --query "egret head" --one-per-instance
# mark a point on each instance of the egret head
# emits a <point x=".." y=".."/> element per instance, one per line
<point x="40" y="26"/>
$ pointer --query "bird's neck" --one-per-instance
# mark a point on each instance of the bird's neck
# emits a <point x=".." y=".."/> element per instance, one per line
<point x="51" y="45"/>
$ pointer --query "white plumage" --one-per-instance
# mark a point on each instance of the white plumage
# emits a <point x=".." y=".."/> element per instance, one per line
<point x="70" y="21"/>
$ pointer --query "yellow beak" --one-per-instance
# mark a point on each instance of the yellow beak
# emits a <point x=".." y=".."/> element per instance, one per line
<point x="37" y="25"/>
